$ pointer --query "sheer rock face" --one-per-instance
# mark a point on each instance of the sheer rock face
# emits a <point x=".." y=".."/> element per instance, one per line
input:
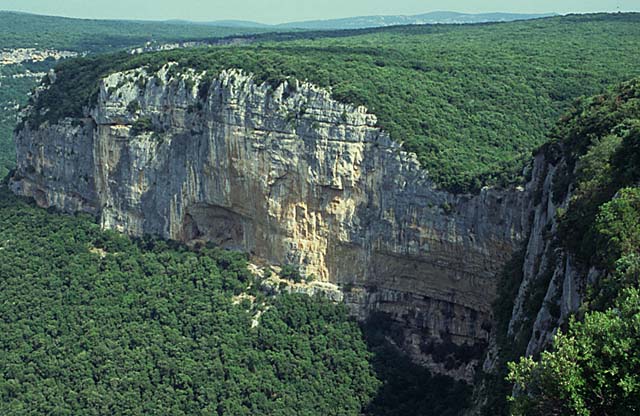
<point x="547" y="266"/>
<point x="290" y="176"/>
<point x="553" y="282"/>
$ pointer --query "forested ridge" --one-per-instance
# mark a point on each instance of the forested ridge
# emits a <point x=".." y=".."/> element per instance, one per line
<point x="93" y="322"/>
<point x="472" y="101"/>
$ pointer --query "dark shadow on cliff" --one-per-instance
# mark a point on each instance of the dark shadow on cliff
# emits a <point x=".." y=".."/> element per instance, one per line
<point x="408" y="389"/>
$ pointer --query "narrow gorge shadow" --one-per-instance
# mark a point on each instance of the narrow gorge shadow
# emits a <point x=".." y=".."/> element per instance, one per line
<point x="408" y="389"/>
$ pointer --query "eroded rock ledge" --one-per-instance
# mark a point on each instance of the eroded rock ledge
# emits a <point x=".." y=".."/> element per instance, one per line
<point x="291" y="176"/>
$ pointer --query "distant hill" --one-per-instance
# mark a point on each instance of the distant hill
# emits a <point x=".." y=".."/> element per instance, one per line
<point x="420" y="19"/>
<point x="19" y="30"/>
<point x="245" y="24"/>
<point x="361" y="22"/>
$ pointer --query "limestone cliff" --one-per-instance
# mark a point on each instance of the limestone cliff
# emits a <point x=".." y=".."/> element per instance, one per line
<point x="290" y="176"/>
<point x="548" y="267"/>
<point x="551" y="282"/>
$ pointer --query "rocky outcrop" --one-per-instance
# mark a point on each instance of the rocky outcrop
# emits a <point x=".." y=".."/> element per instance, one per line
<point x="548" y="268"/>
<point x="552" y="282"/>
<point x="290" y="176"/>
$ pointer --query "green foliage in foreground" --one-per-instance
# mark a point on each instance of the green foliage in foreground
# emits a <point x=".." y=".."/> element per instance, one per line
<point x="470" y="101"/>
<point x="94" y="323"/>
<point x="594" y="368"/>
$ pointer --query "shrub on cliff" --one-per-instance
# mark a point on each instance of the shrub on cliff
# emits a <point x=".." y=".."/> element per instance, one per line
<point x="141" y="125"/>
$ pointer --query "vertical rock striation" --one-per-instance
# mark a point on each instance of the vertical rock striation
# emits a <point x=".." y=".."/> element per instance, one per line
<point x="290" y="176"/>
<point x="549" y="271"/>
<point x="551" y="282"/>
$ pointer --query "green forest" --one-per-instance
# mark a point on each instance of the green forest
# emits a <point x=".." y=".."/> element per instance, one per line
<point x="97" y="323"/>
<point x="472" y="101"/>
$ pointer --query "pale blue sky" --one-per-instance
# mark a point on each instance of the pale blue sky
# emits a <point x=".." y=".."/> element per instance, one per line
<point x="280" y="11"/>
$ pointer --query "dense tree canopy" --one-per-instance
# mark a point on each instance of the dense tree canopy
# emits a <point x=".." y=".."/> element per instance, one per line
<point x="93" y="323"/>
